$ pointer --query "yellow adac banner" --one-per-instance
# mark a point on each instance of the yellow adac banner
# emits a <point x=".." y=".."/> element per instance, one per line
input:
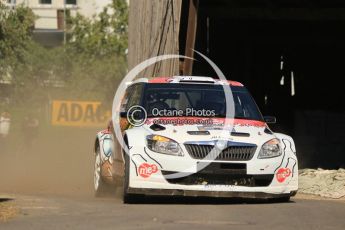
<point x="79" y="113"/>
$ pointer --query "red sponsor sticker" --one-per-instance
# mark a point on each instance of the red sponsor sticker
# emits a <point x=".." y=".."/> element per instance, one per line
<point x="282" y="174"/>
<point x="145" y="170"/>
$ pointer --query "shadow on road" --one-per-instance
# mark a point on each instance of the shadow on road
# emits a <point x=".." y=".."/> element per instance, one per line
<point x="3" y="199"/>
<point x="203" y="200"/>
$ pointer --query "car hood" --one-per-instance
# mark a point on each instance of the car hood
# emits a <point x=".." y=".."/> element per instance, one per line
<point x="211" y="129"/>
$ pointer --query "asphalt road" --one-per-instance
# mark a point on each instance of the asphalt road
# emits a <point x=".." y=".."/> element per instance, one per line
<point x="59" y="175"/>
<point x="57" y="212"/>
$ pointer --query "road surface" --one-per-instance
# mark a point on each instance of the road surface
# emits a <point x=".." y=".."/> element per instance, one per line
<point x="58" y="175"/>
<point x="58" y="212"/>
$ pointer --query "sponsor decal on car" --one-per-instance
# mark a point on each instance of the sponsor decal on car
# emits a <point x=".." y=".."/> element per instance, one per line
<point x="282" y="174"/>
<point x="146" y="170"/>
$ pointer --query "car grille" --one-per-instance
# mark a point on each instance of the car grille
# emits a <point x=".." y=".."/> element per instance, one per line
<point x="222" y="174"/>
<point x="231" y="153"/>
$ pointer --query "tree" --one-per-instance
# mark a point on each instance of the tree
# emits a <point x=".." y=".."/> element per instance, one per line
<point x="89" y="66"/>
<point x="103" y="36"/>
<point x="97" y="48"/>
<point x="16" y="28"/>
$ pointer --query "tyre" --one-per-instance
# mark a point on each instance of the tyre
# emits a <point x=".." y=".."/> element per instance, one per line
<point x="128" y="198"/>
<point x="100" y="187"/>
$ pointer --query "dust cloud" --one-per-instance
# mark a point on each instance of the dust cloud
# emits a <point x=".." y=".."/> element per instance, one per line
<point x="59" y="161"/>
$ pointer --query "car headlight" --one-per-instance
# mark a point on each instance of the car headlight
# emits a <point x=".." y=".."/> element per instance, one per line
<point x="163" y="145"/>
<point x="270" y="149"/>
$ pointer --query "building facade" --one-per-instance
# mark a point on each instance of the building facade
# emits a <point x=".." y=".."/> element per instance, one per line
<point x="50" y="13"/>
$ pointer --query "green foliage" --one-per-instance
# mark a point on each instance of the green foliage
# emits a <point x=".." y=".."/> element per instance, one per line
<point x="97" y="47"/>
<point x="98" y="80"/>
<point x="15" y="36"/>
<point x="104" y="35"/>
<point x="89" y="66"/>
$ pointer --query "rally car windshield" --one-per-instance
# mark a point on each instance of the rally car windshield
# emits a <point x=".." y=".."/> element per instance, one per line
<point x="161" y="100"/>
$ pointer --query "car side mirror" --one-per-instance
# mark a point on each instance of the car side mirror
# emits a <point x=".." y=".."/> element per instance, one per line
<point x="270" y="119"/>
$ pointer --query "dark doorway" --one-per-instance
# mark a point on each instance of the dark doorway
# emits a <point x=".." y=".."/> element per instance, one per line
<point x="293" y="63"/>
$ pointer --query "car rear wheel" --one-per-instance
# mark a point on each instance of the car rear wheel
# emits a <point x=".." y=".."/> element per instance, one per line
<point x="100" y="187"/>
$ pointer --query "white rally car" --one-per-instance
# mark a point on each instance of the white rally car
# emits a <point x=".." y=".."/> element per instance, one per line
<point x="183" y="144"/>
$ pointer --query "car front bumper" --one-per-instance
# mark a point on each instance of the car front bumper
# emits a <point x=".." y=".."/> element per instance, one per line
<point x="148" y="175"/>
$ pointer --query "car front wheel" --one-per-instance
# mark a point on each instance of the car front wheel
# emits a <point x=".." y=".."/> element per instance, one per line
<point x="127" y="197"/>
